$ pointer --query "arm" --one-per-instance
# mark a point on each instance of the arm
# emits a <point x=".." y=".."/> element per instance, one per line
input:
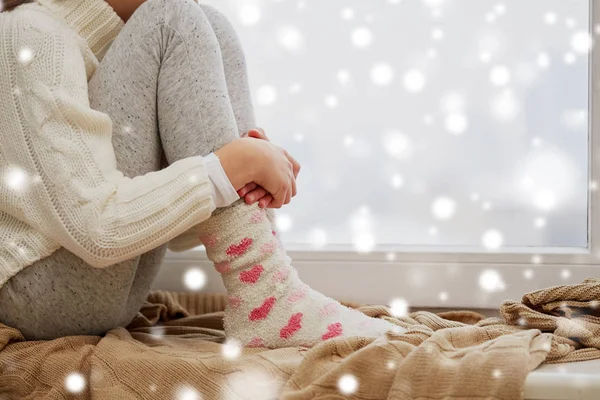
<point x="79" y="198"/>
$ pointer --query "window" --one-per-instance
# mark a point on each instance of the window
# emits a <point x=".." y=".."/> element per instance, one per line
<point x="445" y="143"/>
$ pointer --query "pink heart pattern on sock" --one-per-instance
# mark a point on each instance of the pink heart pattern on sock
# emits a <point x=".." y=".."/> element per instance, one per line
<point x="263" y="311"/>
<point x="268" y="248"/>
<point x="281" y="274"/>
<point x="333" y="330"/>
<point x="256" y="342"/>
<point x="223" y="267"/>
<point x="234" y="301"/>
<point x="252" y="275"/>
<point x="328" y="309"/>
<point x="297" y="295"/>
<point x="209" y="240"/>
<point x="257" y="217"/>
<point x="293" y="326"/>
<point x="237" y="250"/>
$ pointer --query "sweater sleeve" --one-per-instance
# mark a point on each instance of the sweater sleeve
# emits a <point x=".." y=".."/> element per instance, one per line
<point x="76" y="195"/>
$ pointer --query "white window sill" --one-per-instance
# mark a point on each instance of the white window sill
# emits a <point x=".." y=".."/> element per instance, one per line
<point x="376" y="281"/>
<point x="573" y="381"/>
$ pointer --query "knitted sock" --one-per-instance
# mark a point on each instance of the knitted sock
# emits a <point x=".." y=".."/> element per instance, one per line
<point x="269" y="306"/>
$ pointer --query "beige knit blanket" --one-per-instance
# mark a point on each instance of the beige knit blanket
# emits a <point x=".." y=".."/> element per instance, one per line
<point x="173" y="350"/>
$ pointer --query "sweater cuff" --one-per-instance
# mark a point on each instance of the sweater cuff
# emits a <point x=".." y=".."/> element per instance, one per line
<point x="223" y="192"/>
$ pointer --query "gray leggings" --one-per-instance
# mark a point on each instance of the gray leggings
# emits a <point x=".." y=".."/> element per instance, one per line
<point x="174" y="83"/>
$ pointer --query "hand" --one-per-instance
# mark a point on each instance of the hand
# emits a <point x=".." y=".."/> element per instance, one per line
<point x="251" y="160"/>
<point x="253" y="192"/>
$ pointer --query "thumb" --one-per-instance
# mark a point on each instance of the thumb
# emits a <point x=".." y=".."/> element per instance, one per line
<point x="258" y="134"/>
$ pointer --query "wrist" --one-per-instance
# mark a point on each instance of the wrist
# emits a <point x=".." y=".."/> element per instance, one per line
<point x="237" y="162"/>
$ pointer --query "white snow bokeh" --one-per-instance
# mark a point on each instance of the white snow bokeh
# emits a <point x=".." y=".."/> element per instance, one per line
<point x="75" y="383"/>
<point x="391" y="105"/>
<point x="348" y="384"/>
<point x="254" y="384"/>
<point x="194" y="279"/>
<point x="491" y="281"/>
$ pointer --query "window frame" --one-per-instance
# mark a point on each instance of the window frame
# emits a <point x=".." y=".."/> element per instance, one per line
<point x="353" y="271"/>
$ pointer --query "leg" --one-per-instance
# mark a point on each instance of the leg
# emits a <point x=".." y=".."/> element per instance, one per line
<point x="234" y="66"/>
<point x="162" y="91"/>
<point x="236" y="76"/>
<point x="61" y="295"/>
<point x="269" y="305"/>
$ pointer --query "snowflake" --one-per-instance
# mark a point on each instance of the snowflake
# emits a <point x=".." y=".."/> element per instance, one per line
<point x="231" y="349"/>
<point x="348" y="384"/>
<point x="491" y="281"/>
<point x="443" y="208"/>
<point x="550" y="18"/>
<point x="75" y="382"/>
<point x="284" y="222"/>
<point x="331" y="101"/>
<point x="492" y="239"/>
<point x="266" y="95"/>
<point x="582" y="42"/>
<point x="195" y="279"/>
<point x="347" y="14"/>
<point x="382" y="74"/>
<point x="397" y="144"/>
<point x="249" y="14"/>
<point x="414" y="81"/>
<point x="543" y="60"/>
<point x="364" y="242"/>
<point x="16" y="178"/>
<point x="397" y="181"/>
<point x="505" y="106"/>
<point x="362" y="37"/>
<point x="188" y="393"/>
<point x="290" y="38"/>
<point x="343" y="77"/>
<point x="569" y="58"/>
<point x="456" y="123"/>
<point x="25" y="55"/>
<point x="536" y="259"/>
<point x="437" y="34"/>
<point x="317" y="237"/>
<point x="500" y="75"/>
<point x="399" y="307"/>
<point x="545" y="199"/>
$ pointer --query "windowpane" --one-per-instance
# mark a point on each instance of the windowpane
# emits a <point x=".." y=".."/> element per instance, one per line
<point x="433" y="122"/>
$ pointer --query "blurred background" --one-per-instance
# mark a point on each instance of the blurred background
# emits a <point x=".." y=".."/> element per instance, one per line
<point x="425" y="122"/>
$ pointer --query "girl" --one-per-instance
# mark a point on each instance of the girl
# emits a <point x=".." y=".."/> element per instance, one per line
<point x="118" y="140"/>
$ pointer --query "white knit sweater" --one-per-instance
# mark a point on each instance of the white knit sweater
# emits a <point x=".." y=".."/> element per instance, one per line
<point x="59" y="183"/>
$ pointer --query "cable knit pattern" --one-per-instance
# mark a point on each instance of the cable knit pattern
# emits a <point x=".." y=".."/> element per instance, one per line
<point x="59" y="184"/>
<point x="269" y="306"/>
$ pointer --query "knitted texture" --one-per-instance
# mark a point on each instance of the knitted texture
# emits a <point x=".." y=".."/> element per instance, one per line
<point x="59" y="183"/>
<point x="170" y="352"/>
<point x="269" y="306"/>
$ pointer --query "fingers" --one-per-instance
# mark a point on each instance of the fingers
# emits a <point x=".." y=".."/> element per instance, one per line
<point x="247" y="189"/>
<point x="258" y="133"/>
<point x="265" y="201"/>
<point x="295" y="164"/>
<point x="255" y="195"/>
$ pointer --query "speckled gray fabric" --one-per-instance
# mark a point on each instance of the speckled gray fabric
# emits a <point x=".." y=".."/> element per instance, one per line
<point x="174" y="83"/>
